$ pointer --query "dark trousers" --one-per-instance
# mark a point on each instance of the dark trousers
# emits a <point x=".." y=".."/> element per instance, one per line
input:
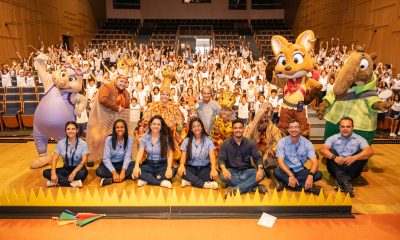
<point x="244" y="180"/>
<point x="301" y="177"/>
<point x="153" y="172"/>
<point x="344" y="173"/>
<point x="103" y="172"/>
<point x="197" y="175"/>
<point x="64" y="172"/>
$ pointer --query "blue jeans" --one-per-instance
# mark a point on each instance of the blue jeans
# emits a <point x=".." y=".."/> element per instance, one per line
<point x="64" y="172"/>
<point x="153" y="172"/>
<point x="197" y="175"/>
<point x="244" y="180"/>
<point x="301" y="177"/>
<point x="103" y="172"/>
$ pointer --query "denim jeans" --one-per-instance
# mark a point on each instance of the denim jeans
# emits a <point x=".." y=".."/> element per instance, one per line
<point x="244" y="180"/>
<point x="197" y="175"/>
<point x="153" y="172"/>
<point x="301" y="177"/>
<point x="103" y="172"/>
<point x="64" y="172"/>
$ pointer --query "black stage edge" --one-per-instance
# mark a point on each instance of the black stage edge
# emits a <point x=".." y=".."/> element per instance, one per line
<point x="181" y="212"/>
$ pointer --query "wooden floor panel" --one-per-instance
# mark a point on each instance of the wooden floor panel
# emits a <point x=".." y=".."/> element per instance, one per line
<point x="377" y="191"/>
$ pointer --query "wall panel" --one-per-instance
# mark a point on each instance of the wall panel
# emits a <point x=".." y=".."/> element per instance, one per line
<point x="28" y="22"/>
<point x="375" y="23"/>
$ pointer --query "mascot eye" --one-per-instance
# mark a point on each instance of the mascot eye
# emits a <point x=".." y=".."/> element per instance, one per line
<point x="298" y="58"/>
<point x="72" y="79"/>
<point x="63" y="74"/>
<point x="281" y="60"/>
<point x="364" y="64"/>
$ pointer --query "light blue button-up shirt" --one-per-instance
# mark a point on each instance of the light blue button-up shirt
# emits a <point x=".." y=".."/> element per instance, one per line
<point x="295" y="154"/>
<point x="118" y="154"/>
<point x="153" y="150"/>
<point x="346" y="147"/>
<point x="200" y="152"/>
<point x="74" y="155"/>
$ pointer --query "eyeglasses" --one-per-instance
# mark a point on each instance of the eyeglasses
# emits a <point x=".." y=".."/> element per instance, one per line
<point x="77" y="71"/>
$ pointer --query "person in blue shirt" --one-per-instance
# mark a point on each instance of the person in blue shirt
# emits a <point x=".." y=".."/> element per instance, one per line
<point x="198" y="165"/>
<point x="158" y="146"/>
<point x="346" y="153"/>
<point x="74" y="152"/>
<point x="117" y="162"/>
<point x="292" y="152"/>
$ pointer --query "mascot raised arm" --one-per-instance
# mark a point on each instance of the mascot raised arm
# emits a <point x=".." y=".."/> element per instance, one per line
<point x="289" y="71"/>
<point x="61" y="103"/>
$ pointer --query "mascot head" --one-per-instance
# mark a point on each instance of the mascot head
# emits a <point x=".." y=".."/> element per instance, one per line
<point x="68" y="78"/>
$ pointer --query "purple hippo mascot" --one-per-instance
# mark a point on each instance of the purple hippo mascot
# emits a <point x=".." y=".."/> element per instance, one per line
<point x="60" y="104"/>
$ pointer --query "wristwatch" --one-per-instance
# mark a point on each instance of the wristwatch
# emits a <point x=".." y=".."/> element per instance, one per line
<point x="260" y="167"/>
<point x="334" y="157"/>
<point x="310" y="173"/>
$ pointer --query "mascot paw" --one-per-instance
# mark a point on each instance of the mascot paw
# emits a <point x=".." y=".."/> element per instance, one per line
<point x="41" y="161"/>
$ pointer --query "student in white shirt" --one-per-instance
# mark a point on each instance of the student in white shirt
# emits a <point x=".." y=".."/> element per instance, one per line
<point x="244" y="112"/>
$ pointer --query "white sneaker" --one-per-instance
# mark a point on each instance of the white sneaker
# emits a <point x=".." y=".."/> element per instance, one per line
<point x="392" y="135"/>
<point x="141" y="183"/>
<point x="51" y="184"/>
<point x="166" y="183"/>
<point x="186" y="183"/>
<point x="398" y="133"/>
<point x="133" y="177"/>
<point x="212" y="185"/>
<point x="76" y="184"/>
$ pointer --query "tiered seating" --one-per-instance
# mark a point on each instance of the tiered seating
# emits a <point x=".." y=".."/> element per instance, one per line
<point x="264" y="29"/>
<point x="17" y="106"/>
<point x="117" y="30"/>
<point x="226" y="36"/>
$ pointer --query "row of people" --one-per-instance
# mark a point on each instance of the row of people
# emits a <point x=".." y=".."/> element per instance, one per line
<point x="346" y="154"/>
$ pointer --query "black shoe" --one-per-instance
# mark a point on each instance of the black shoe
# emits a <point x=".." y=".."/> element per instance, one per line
<point x="315" y="190"/>
<point x="279" y="186"/>
<point x="231" y="191"/>
<point x="262" y="189"/>
<point x="105" y="182"/>
<point x="348" y="188"/>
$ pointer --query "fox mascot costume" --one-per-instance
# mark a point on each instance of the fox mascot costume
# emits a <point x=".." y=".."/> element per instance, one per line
<point x="289" y="71"/>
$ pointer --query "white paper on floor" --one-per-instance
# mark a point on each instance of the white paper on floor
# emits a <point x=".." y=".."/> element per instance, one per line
<point x="267" y="220"/>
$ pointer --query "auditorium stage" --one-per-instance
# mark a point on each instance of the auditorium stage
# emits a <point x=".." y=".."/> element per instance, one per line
<point x="24" y="193"/>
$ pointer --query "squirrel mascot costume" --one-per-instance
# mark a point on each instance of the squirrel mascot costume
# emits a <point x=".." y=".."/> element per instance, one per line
<point x="289" y="71"/>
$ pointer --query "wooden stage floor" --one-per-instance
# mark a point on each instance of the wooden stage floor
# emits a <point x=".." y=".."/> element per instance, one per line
<point x="377" y="191"/>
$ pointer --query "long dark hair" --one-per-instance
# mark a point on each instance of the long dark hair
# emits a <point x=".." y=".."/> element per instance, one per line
<point x="114" y="134"/>
<point x="190" y="136"/>
<point x="66" y="141"/>
<point x="166" y="139"/>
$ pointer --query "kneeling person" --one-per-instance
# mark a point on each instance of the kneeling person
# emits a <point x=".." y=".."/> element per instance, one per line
<point x="346" y="153"/>
<point x="199" y="157"/>
<point x="234" y="160"/>
<point x="293" y="151"/>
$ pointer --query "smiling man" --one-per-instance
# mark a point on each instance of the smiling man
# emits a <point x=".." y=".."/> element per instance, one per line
<point x="346" y="153"/>
<point x="234" y="160"/>
<point x="293" y="151"/>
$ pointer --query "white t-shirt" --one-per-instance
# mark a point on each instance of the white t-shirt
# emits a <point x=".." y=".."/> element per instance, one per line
<point x="243" y="110"/>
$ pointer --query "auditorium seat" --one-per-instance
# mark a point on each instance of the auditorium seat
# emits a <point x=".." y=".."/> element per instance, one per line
<point x="1" y="116"/>
<point x="2" y="90"/>
<point x="12" y="90"/>
<point x="40" y="96"/>
<point x="12" y="97"/>
<point x="11" y="116"/>
<point x="29" y="97"/>
<point x="29" y="108"/>
<point x="28" y="90"/>
<point x="40" y="89"/>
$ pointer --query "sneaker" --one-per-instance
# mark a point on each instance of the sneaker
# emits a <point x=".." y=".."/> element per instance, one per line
<point x="398" y="133"/>
<point x="211" y="185"/>
<point x="105" y="181"/>
<point x="348" y="188"/>
<point x="166" y="184"/>
<point x="76" y="184"/>
<point x="51" y="184"/>
<point x="231" y="191"/>
<point x="141" y="183"/>
<point x="262" y="189"/>
<point x="133" y="176"/>
<point x="186" y="183"/>
<point x="279" y="186"/>
<point x="392" y="135"/>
